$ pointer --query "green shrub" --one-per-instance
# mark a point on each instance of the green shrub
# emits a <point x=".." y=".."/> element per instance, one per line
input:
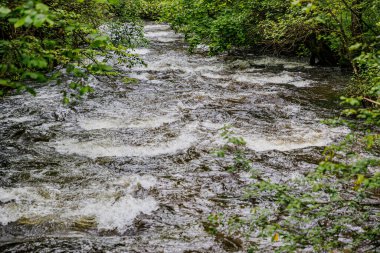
<point x="40" y="39"/>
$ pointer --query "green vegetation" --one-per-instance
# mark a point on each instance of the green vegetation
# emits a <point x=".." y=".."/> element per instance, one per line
<point x="151" y="9"/>
<point x="332" y="209"/>
<point x="234" y="146"/>
<point x="325" y="30"/>
<point x="49" y="40"/>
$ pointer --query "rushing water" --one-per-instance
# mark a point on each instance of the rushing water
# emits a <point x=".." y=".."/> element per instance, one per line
<point x="130" y="168"/>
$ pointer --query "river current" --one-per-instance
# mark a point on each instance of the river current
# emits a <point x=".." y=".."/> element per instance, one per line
<point x="131" y="167"/>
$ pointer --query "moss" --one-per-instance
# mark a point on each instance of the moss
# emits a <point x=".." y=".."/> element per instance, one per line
<point x="85" y="222"/>
<point x="128" y="80"/>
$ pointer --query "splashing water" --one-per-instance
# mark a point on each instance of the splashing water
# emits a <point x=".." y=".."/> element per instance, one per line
<point x="130" y="169"/>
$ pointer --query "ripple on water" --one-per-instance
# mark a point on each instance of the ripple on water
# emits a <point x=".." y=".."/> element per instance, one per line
<point x="139" y="51"/>
<point x="214" y="75"/>
<point x="71" y="191"/>
<point x="115" y="123"/>
<point x="295" y="137"/>
<point x="108" y="147"/>
<point x="109" y="203"/>
<point x="265" y="78"/>
<point x="163" y="36"/>
<point x="156" y="27"/>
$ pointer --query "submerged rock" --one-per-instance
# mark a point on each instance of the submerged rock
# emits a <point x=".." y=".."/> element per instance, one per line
<point x="240" y="64"/>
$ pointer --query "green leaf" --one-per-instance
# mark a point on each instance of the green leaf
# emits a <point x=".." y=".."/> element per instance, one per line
<point x="100" y="41"/>
<point x="66" y="100"/>
<point x="84" y="90"/>
<point x="3" y="82"/>
<point x="39" y="20"/>
<point x="4" y="11"/>
<point x="355" y="46"/>
<point x="359" y="181"/>
<point x="34" y="76"/>
<point x="19" y="23"/>
<point x="73" y="85"/>
<point x="42" y="7"/>
<point x="31" y="91"/>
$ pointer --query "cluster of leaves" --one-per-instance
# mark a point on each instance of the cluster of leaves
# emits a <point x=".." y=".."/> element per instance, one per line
<point x="151" y="9"/>
<point x="333" y="208"/>
<point x="222" y="25"/>
<point x="234" y="147"/>
<point x="366" y="83"/>
<point x="42" y="40"/>
<point x="339" y="24"/>
<point x="323" y="29"/>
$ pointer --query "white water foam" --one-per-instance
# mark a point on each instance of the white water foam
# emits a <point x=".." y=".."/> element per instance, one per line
<point x="167" y="63"/>
<point x="143" y="76"/>
<point x="139" y="51"/>
<point x="116" y="123"/>
<point x="262" y="79"/>
<point x="153" y="122"/>
<point x="108" y="147"/>
<point x="110" y="203"/>
<point x="163" y="36"/>
<point x="296" y="137"/>
<point x="272" y="61"/>
<point x="116" y="215"/>
<point x="21" y="119"/>
<point x="156" y="27"/>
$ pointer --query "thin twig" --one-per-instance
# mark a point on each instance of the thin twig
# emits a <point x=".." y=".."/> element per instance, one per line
<point x="350" y="8"/>
<point x="372" y="101"/>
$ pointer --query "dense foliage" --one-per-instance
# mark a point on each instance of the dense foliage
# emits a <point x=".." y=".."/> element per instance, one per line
<point x="332" y="208"/>
<point x="324" y="30"/>
<point x="52" y="39"/>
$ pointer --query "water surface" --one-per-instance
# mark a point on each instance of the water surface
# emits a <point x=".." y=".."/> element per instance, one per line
<point x="130" y="169"/>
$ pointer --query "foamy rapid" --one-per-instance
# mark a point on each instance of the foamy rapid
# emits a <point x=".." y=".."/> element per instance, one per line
<point x="110" y="204"/>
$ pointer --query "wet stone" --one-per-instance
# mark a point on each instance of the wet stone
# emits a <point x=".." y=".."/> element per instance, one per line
<point x="239" y="64"/>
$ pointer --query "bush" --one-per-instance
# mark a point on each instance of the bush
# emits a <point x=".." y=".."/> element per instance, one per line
<point x="40" y="40"/>
<point x="325" y="28"/>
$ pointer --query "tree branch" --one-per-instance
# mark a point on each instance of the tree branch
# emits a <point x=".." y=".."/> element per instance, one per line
<point x="372" y="101"/>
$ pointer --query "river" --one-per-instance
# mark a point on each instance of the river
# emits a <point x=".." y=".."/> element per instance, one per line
<point x="130" y="168"/>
